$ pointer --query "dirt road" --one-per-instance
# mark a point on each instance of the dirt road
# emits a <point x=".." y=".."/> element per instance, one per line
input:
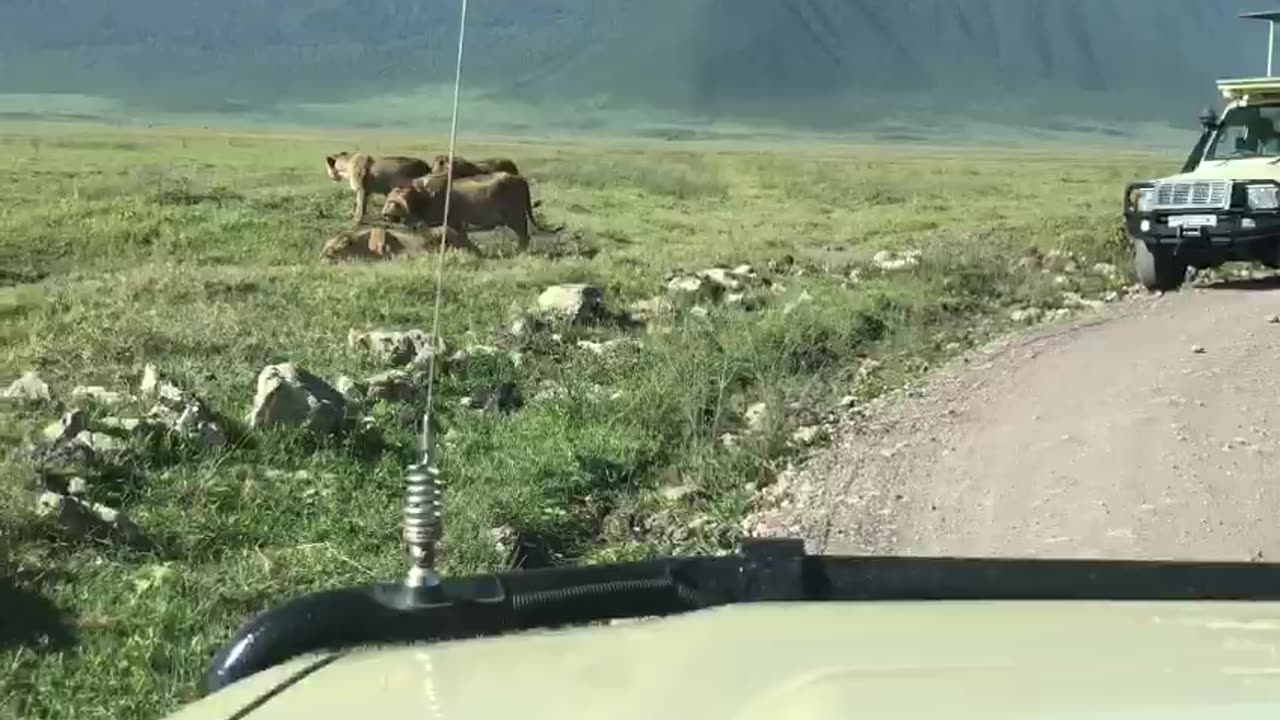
<point x="1150" y="431"/>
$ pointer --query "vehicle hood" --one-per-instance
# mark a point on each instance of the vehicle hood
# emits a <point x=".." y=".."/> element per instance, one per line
<point x="1241" y="169"/>
<point x="906" y="661"/>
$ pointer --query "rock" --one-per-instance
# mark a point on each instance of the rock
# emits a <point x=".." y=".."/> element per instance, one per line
<point x="69" y="426"/>
<point x="104" y="446"/>
<point x="157" y="387"/>
<point x="29" y="387"/>
<point x="1072" y="299"/>
<point x="729" y="440"/>
<point x="888" y="261"/>
<point x="504" y="540"/>
<point x="803" y="299"/>
<point x="523" y="328"/>
<point x="396" y="347"/>
<point x="1274" y="319"/>
<point x="290" y="396"/>
<point x="459" y="361"/>
<point x="1106" y="270"/>
<point x="84" y="519"/>
<point x="1198" y="349"/>
<point x="505" y="399"/>
<point x="126" y="426"/>
<point x="699" y="312"/>
<point x="572" y="303"/>
<point x="1058" y="314"/>
<point x="601" y="348"/>
<point x="745" y="271"/>
<point x="676" y="493"/>
<point x="808" y="435"/>
<point x="1026" y="315"/>
<point x="848" y="402"/>
<point x="77" y="487"/>
<point x="97" y="394"/>
<point x="1111" y="296"/>
<point x="391" y="386"/>
<point x="354" y="392"/>
<point x="653" y="313"/>
<point x="722" y="278"/>
<point x="757" y="416"/>
<point x="687" y="285"/>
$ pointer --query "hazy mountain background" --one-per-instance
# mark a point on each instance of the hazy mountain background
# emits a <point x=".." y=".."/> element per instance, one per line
<point x="808" y="64"/>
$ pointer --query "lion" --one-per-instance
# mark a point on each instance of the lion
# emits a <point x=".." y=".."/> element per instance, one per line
<point x="463" y="168"/>
<point x="367" y="174"/>
<point x="381" y="244"/>
<point x="483" y="202"/>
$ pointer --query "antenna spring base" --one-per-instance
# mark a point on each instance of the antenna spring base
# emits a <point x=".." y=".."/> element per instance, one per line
<point x="423" y="526"/>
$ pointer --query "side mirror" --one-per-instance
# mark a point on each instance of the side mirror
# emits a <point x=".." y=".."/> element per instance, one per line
<point x="1208" y="119"/>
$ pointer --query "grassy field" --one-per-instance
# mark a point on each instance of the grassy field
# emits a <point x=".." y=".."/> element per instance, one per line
<point x="198" y="252"/>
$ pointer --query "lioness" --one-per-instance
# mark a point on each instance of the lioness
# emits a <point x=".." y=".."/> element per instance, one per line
<point x="381" y="244"/>
<point x="367" y="174"/>
<point x="463" y="168"/>
<point x="483" y="202"/>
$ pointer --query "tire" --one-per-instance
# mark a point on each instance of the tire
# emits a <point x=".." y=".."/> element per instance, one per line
<point x="1157" y="268"/>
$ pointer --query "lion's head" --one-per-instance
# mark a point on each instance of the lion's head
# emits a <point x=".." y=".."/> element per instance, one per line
<point x="398" y="206"/>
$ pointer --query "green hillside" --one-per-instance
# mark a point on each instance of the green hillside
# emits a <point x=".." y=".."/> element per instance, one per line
<point x="813" y="63"/>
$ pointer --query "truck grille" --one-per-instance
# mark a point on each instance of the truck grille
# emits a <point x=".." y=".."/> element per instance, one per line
<point x="1193" y="195"/>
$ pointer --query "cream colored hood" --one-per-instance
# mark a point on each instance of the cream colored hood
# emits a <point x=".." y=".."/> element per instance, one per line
<point x="904" y="661"/>
<point x="1243" y="169"/>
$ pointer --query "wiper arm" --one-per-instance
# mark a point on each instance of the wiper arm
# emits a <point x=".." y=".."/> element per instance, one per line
<point x="761" y="571"/>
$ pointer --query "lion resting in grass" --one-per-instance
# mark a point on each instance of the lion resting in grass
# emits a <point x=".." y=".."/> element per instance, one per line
<point x="383" y="244"/>
<point x="463" y="168"/>
<point x="484" y="202"/>
<point x="367" y="174"/>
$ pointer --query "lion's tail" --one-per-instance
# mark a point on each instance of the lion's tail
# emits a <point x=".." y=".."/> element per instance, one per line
<point x="530" y="205"/>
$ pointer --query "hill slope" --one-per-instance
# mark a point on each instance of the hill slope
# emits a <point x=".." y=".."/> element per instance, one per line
<point x="803" y="61"/>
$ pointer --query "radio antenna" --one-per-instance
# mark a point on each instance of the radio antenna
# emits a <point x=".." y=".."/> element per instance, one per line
<point x="424" y="493"/>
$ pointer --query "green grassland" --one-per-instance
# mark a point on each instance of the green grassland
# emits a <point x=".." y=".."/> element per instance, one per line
<point x="198" y="252"/>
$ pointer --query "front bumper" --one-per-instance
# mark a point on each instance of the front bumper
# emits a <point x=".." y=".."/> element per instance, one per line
<point x="1235" y="234"/>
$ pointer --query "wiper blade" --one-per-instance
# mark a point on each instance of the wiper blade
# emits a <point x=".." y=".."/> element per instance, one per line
<point x="761" y="571"/>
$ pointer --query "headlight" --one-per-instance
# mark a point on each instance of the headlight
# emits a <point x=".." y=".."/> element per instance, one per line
<point x="1145" y="200"/>
<point x="1264" y="197"/>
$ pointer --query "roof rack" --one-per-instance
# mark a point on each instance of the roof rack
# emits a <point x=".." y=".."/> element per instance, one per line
<point x="1272" y="17"/>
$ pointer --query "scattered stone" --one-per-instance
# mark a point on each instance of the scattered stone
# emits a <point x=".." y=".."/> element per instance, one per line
<point x="396" y="347"/>
<point x="505" y="399"/>
<point x="1106" y="270"/>
<point x="889" y="261"/>
<point x="729" y="440"/>
<point x="97" y="394"/>
<point x="1026" y="315"/>
<point x="806" y="436"/>
<point x="290" y="396"/>
<point x="1198" y="350"/>
<point x="66" y="428"/>
<point x="803" y="299"/>
<point x="848" y="402"/>
<point x="355" y="392"/>
<point x="757" y="416"/>
<point x="88" y="520"/>
<point x="745" y="271"/>
<point x="391" y="386"/>
<point x="157" y="387"/>
<point x="29" y="387"/>
<point x="687" y="285"/>
<point x="654" y="312"/>
<point x="1058" y="314"/>
<point x="725" y="279"/>
<point x="1111" y="296"/>
<point x="77" y="487"/>
<point x="676" y="493"/>
<point x="459" y="361"/>
<point x="572" y="303"/>
<point x="699" y="312"/>
<point x="1072" y="299"/>
<point x="1274" y="319"/>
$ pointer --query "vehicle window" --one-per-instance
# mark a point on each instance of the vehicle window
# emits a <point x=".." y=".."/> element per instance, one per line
<point x="1248" y="132"/>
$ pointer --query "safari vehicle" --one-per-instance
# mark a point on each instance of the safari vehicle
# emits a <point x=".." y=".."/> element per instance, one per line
<point x="1225" y="203"/>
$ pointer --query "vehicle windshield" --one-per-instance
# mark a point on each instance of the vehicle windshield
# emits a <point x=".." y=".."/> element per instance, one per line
<point x="1247" y="132"/>
<point x="700" y="271"/>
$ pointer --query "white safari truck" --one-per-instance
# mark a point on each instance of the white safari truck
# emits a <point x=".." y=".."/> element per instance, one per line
<point x="1225" y="204"/>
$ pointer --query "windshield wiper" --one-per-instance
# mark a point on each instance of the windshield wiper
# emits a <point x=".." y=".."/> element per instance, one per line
<point x="761" y="571"/>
